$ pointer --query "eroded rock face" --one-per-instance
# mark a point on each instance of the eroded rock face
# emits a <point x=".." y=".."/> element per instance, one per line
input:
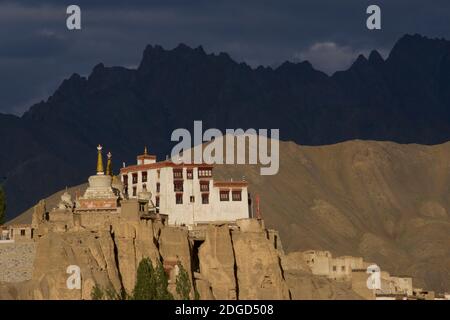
<point x="124" y="239"/>
<point x="92" y="252"/>
<point x="216" y="260"/>
<point x="259" y="272"/>
<point x="174" y="246"/>
<point x="238" y="263"/>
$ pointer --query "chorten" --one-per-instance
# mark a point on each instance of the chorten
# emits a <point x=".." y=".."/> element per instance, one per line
<point x="66" y="201"/>
<point x="109" y="171"/>
<point x="99" y="195"/>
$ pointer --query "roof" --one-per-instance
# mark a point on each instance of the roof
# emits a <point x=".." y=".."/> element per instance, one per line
<point x="21" y="225"/>
<point x="162" y="164"/>
<point x="230" y="184"/>
<point x="146" y="156"/>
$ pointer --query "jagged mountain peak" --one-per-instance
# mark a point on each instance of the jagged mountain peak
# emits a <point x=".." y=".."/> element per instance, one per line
<point x="375" y="58"/>
<point x="418" y="48"/>
<point x="360" y="61"/>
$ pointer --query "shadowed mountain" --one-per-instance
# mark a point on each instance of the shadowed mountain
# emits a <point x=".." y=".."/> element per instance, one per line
<point x="405" y="98"/>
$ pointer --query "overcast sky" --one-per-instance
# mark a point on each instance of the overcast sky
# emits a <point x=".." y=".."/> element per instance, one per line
<point x="37" y="51"/>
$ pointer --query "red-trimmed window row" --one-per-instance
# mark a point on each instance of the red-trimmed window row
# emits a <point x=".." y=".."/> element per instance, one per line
<point x="204" y="172"/>
<point x="178" y="186"/>
<point x="224" y="195"/>
<point x="236" y="195"/>
<point x="204" y="186"/>
<point x="178" y="173"/>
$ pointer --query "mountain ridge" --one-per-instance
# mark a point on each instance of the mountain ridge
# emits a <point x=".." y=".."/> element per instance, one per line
<point x="404" y="98"/>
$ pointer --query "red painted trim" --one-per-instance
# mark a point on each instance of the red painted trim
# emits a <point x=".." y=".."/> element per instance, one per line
<point x="161" y="164"/>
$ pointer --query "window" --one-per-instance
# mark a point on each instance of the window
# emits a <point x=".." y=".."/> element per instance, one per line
<point x="144" y="187"/>
<point x="192" y="199"/>
<point x="343" y="268"/>
<point x="158" y="187"/>
<point x="141" y="206"/>
<point x="135" y="178"/>
<point x="178" y="173"/>
<point x="179" y="198"/>
<point x="125" y="180"/>
<point x="22" y="232"/>
<point x="144" y="176"/>
<point x="178" y="186"/>
<point x="334" y="268"/>
<point x="134" y="191"/>
<point x="224" y="195"/>
<point x="158" y="172"/>
<point x="237" y="195"/>
<point x="204" y="186"/>
<point x="205" y="198"/>
<point x="204" y="172"/>
<point x="157" y="201"/>
<point x="189" y="174"/>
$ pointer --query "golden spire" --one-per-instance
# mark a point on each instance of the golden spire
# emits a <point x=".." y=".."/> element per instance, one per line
<point x="100" y="160"/>
<point x="109" y="165"/>
<point x="145" y="150"/>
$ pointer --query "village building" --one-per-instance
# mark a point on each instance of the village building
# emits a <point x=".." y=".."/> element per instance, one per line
<point x="16" y="233"/>
<point x="318" y="261"/>
<point x="322" y="263"/>
<point x="355" y="270"/>
<point x="186" y="193"/>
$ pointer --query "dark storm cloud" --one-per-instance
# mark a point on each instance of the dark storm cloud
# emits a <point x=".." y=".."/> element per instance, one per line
<point x="37" y="51"/>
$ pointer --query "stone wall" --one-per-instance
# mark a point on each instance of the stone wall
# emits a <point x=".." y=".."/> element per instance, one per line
<point x="16" y="261"/>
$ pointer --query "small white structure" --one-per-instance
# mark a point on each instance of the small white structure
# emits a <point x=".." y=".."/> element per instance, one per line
<point x="187" y="193"/>
<point x="100" y="194"/>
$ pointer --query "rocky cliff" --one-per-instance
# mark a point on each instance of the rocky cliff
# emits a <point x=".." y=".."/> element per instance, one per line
<point x="224" y="263"/>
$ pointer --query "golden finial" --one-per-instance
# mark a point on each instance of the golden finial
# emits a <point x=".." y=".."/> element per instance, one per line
<point x="99" y="160"/>
<point x="145" y="150"/>
<point x="109" y="164"/>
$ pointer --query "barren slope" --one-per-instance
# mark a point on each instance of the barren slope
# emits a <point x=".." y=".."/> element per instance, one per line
<point x="384" y="201"/>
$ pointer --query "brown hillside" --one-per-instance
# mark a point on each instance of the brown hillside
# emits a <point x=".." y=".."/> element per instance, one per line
<point x="384" y="201"/>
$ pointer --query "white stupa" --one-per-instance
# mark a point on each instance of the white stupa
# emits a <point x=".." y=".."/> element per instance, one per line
<point x="99" y="195"/>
